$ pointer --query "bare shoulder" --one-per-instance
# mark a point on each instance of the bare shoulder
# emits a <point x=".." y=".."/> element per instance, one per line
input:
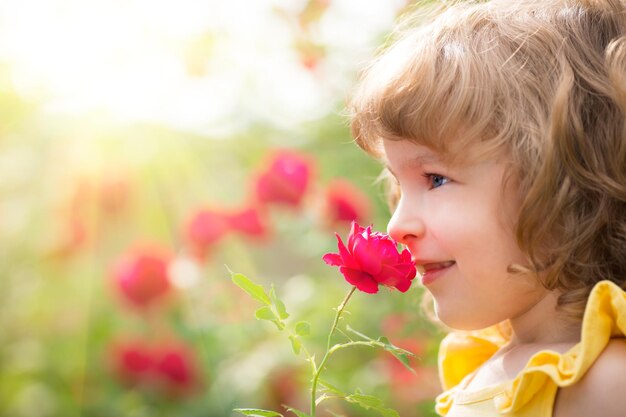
<point x="601" y="390"/>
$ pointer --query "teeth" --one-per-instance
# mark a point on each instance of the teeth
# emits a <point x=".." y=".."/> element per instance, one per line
<point x="438" y="265"/>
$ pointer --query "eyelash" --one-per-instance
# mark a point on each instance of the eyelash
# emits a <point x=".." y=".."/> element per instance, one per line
<point x="430" y="176"/>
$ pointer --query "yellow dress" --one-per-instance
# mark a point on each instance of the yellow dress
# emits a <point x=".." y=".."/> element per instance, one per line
<point x="534" y="389"/>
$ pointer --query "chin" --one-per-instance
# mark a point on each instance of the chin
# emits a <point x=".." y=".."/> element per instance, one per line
<point x="457" y="319"/>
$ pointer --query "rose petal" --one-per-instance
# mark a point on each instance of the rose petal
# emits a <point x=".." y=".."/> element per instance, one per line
<point x="403" y="285"/>
<point x="355" y="230"/>
<point x="346" y="257"/>
<point x="359" y="279"/>
<point x="332" y="259"/>
<point x="367" y="257"/>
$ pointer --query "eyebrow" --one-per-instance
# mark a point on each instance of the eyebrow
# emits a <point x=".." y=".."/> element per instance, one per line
<point x="416" y="162"/>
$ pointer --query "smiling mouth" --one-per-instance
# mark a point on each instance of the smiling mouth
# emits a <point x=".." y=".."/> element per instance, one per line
<point x="425" y="267"/>
<point x="430" y="272"/>
<point x="437" y="265"/>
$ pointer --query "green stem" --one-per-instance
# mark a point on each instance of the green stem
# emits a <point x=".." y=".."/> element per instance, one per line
<point x="319" y="369"/>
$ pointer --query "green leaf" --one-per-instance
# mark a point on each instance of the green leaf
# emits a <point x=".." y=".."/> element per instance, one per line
<point x="280" y="306"/>
<point x="321" y="399"/>
<point x="254" y="290"/>
<point x="265" y="313"/>
<point x="370" y="402"/>
<point x="296" y="345"/>
<point x="332" y="388"/>
<point x="255" y="412"/>
<point x="303" y="328"/>
<point x="400" y="354"/>
<point x="361" y="335"/>
<point x="298" y="412"/>
<point x="384" y="343"/>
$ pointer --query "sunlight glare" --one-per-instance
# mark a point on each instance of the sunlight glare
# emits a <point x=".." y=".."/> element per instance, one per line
<point x="191" y="65"/>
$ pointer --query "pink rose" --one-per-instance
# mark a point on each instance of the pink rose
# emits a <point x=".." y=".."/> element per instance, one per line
<point x="133" y="362"/>
<point x="175" y="367"/>
<point x="285" y="180"/>
<point x="169" y="367"/>
<point x="205" y="229"/>
<point x="142" y="277"/>
<point x="372" y="259"/>
<point x="248" y="221"/>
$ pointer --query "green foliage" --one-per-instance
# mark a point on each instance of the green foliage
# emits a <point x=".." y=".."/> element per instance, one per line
<point x="370" y="402"/>
<point x="254" y="290"/>
<point x="382" y="342"/>
<point x="62" y="233"/>
<point x="298" y="412"/>
<point x="254" y="412"/>
<point x="275" y="311"/>
<point x="303" y="328"/>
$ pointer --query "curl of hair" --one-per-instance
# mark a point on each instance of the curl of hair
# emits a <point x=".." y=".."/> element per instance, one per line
<point x="541" y="83"/>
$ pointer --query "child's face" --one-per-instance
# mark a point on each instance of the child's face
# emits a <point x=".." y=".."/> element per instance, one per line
<point x="457" y="224"/>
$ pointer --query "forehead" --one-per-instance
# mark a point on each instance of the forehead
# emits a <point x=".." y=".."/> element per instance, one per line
<point x="411" y="154"/>
<point x="404" y="154"/>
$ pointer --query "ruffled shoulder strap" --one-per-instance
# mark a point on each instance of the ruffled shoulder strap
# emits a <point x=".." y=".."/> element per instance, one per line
<point x="461" y="353"/>
<point x="604" y="318"/>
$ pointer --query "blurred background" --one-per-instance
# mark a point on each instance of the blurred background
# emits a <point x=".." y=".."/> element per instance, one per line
<point x="146" y="148"/>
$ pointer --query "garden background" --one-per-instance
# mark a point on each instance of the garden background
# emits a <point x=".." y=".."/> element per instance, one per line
<point x="149" y="147"/>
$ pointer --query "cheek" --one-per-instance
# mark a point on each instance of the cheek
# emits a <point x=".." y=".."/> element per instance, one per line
<point x="472" y="233"/>
<point x="458" y="221"/>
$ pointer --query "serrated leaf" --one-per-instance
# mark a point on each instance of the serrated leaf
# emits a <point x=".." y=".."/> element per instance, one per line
<point x="254" y="290"/>
<point x="303" y="328"/>
<point x="370" y="402"/>
<point x="404" y="360"/>
<point x="265" y="313"/>
<point x="321" y="399"/>
<point x="298" y="412"/>
<point x="399" y="353"/>
<point x="255" y="412"/>
<point x="382" y="342"/>
<point x="296" y="345"/>
<point x="280" y="306"/>
<point x="361" y="335"/>
<point x="331" y="388"/>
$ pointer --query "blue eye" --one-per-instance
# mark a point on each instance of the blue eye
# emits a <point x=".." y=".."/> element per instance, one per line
<point x="436" y="180"/>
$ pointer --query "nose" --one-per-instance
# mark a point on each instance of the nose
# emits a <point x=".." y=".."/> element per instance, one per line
<point x="406" y="223"/>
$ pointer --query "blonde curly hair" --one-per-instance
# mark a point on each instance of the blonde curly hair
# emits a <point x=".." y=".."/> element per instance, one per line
<point x="541" y="82"/>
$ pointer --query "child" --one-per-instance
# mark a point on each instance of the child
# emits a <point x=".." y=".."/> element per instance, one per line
<point x="502" y="124"/>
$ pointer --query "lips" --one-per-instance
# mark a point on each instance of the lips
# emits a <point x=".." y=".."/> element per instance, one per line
<point x="430" y="270"/>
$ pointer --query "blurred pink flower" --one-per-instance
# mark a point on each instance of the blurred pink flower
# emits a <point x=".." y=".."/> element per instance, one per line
<point x="371" y="259"/>
<point x="204" y="229"/>
<point x="133" y="362"/>
<point x="285" y="180"/>
<point x="168" y="367"/>
<point x="176" y="369"/>
<point x="248" y="221"/>
<point x="142" y="276"/>
<point x="345" y="203"/>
